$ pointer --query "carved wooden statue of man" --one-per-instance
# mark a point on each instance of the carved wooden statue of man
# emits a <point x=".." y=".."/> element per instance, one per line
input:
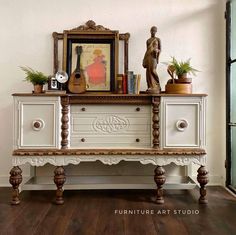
<point x="150" y="61"/>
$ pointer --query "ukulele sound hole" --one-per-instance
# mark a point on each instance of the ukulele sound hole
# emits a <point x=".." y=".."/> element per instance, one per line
<point x="77" y="75"/>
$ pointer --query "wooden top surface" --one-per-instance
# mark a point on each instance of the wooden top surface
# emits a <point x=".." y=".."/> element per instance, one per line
<point x="143" y="151"/>
<point x="104" y="94"/>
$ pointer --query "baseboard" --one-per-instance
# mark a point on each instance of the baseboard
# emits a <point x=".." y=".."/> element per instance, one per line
<point x="4" y="181"/>
<point x="214" y="180"/>
<point x="108" y="182"/>
<point x="230" y="191"/>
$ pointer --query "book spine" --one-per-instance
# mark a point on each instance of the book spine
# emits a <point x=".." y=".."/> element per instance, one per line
<point x="135" y="84"/>
<point x="138" y="84"/>
<point x="124" y="83"/>
<point x="130" y="82"/>
<point x="119" y="79"/>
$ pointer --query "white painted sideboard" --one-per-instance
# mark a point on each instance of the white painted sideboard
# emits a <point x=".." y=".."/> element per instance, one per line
<point x="69" y="129"/>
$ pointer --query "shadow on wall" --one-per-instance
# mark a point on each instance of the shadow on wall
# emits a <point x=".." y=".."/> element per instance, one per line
<point x="215" y="49"/>
<point x="211" y="9"/>
<point x="206" y="48"/>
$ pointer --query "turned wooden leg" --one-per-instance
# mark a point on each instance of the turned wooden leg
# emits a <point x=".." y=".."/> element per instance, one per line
<point x="202" y="178"/>
<point x="160" y="179"/>
<point x="15" y="180"/>
<point x="59" y="180"/>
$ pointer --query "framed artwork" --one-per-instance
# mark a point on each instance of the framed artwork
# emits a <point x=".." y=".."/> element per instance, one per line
<point x="97" y="62"/>
<point x="99" y="57"/>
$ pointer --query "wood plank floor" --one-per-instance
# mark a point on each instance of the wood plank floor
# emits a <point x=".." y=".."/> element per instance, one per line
<point x="98" y="212"/>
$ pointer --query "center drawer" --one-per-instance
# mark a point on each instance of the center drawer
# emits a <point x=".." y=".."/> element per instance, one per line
<point x="110" y="126"/>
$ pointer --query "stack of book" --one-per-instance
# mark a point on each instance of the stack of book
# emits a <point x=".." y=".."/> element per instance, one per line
<point x="131" y="83"/>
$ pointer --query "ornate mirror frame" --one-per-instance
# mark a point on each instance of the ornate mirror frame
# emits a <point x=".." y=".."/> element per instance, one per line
<point x="90" y="31"/>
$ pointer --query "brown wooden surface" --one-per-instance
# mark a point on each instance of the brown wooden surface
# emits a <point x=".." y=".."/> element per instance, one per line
<point x="203" y="179"/>
<point x="64" y="122"/>
<point x="59" y="180"/>
<point x="55" y="52"/>
<point x="115" y="99"/>
<point x="148" y="151"/>
<point x="93" y="213"/>
<point x="155" y="122"/>
<point x="125" y="37"/>
<point x="15" y="180"/>
<point x="160" y="179"/>
<point x="91" y="94"/>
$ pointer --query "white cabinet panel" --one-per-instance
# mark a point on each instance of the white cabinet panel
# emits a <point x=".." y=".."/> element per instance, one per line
<point x="37" y="122"/>
<point x="182" y="122"/>
<point x="188" y="113"/>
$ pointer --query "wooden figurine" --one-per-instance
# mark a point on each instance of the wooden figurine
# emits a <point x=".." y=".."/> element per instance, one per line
<point x="150" y="61"/>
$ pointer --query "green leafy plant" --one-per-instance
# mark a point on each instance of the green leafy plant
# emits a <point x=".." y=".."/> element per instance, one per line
<point x="182" y="67"/>
<point x="35" y="77"/>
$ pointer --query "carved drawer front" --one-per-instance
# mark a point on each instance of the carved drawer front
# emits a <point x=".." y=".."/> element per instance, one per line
<point x="110" y="126"/>
<point x="182" y="122"/>
<point x="37" y="122"/>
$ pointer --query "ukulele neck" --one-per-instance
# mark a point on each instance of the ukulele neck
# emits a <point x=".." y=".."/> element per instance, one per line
<point x="77" y="69"/>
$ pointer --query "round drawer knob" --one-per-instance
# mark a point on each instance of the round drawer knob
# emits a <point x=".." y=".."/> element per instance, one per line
<point x="38" y="124"/>
<point x="83" y="109"/>
<point x="181" y="125"/>
<point x="137" y="140"/>
<point x="138" y="109"/>
<point x="83" y="140"/>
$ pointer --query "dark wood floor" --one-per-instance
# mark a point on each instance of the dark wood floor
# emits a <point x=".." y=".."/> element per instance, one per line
<point x="103" y="213"/>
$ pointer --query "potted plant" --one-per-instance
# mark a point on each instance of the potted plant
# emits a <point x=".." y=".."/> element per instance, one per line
<point x="179" y="82"/>
<point x="38" y="79"/>
<point x="181" y="70"/>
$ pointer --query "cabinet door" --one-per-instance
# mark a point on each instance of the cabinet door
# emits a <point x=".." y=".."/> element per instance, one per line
<point x="37" y="122"/>
<point x="182" y="122"/>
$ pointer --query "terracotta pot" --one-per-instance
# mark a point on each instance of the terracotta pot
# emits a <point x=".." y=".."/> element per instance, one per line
<point x="179" y="88"/>
<point x="184" y="80"/>
<point x="38" y="89"/>
<point x="182" y="76"/>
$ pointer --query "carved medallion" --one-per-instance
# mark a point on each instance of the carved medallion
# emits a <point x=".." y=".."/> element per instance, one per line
<point x="110" y="124"/>
<point x="91" y="25"/>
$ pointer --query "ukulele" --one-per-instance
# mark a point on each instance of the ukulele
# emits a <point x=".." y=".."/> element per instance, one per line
<point x="77" y="82"/>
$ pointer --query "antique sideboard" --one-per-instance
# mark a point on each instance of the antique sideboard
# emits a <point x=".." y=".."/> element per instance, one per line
<point x="69" y="129"/>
